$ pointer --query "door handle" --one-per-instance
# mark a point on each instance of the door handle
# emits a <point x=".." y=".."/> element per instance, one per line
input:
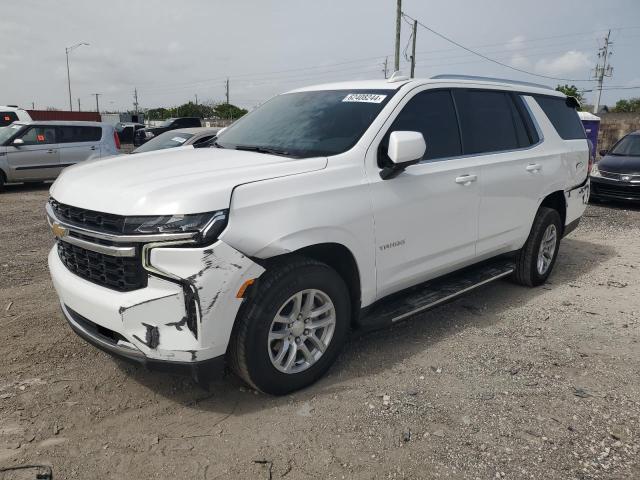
<point x="51" y="150"/>
<point x="534" y="167"/>
<point x="466" y="179"/>
<point x="93" y="147"/>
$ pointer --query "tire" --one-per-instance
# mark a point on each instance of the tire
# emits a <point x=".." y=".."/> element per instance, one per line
<point x="527" y="270"/>
<point x="3" y="180"/>
<point x="253" y="353"/>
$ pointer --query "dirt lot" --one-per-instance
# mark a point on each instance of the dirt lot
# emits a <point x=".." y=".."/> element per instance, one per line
<point x="506" y="382"/>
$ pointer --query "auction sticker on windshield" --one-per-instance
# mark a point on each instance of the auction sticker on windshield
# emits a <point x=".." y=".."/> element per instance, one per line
<point x="364" y="97"/>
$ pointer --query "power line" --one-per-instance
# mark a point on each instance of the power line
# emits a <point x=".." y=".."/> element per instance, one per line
<point x="162" y="87"/>
<point x="491" y="59"/>
<point x="612" y="88"/>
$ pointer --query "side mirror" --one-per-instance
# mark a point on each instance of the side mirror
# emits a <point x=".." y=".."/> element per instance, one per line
<point x="17" y="142"/>
<point x="603" y="152"/>
<point x="405" y="148"/>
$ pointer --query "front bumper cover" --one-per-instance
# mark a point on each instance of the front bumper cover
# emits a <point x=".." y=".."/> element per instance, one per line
<point x="615" y="189"/>
<point x="205" y="370"/>
<point x="150" y="323"/>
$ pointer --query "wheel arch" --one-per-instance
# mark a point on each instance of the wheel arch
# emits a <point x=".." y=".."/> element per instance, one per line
<point x="342" y="260"/>
<point x="557" y="201"/>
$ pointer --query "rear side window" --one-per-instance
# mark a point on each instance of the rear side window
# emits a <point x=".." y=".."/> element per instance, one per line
<point x="432" y="113"/>
<point x="563" y="116"/>
<point x="74" y="134"/>
<point x="489" y="121"/>
<point x="7" y="118"/>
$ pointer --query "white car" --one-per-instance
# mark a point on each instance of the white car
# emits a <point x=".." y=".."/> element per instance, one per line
<point x="328" y="208"/>
<point x="12" y="113"/>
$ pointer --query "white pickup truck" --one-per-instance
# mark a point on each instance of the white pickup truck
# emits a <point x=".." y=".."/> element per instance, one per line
<point x="329" y="208"/>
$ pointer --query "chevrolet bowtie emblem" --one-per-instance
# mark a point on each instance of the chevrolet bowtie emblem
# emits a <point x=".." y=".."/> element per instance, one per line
<point x="58" y="230"/>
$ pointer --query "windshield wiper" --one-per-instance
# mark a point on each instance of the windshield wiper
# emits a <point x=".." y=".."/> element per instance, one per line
<point x="259" y="149"/>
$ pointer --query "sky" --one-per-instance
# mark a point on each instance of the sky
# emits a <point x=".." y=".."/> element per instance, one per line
<point x="171" y="51"/>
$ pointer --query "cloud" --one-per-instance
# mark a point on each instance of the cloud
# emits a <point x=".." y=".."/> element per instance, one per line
<point x="571" y="62"/>
<point x="515" y="43"/>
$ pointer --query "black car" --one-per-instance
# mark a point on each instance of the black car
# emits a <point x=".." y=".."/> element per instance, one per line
<point x="126" y="131"/>
<point x="617" y="175"/>
<point x="144" y="134"/>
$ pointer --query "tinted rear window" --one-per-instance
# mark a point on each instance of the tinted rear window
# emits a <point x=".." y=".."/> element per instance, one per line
<point x="7" y="118"/>
<point x="563" y="116"/>
<point x="72" y="134"/>
<point x="489" y="121"/>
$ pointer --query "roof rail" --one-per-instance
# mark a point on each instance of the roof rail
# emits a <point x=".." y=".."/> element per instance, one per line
<point x="489" y="79"/>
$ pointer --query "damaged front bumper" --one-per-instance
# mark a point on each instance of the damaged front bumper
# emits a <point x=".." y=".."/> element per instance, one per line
<point x="184" y="315"/>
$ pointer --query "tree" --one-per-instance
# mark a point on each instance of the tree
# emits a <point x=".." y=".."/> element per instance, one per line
<point x="228" y="111"/>
<point x="571" y="91"/>
<point x="631" y="105"/>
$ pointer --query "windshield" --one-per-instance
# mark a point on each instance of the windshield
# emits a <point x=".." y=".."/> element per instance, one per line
<point x="7" y="132"/>
<point x="307" y="124"/>
<point x="628" y="146"/>
<point x="165" y="140"/>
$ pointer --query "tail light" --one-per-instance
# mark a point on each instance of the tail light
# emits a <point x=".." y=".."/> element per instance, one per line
<point x="116" y="139"/>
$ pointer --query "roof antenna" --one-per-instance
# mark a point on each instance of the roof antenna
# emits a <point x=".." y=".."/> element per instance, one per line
<point x="397" y="77"/>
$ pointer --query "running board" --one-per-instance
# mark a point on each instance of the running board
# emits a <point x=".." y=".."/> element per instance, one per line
<point x="434" y="292"/>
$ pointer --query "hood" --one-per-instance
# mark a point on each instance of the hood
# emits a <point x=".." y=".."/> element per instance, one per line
<point x="170" y="182"/>
<point x="620" y="164"/>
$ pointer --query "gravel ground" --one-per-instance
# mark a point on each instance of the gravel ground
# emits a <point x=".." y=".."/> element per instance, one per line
<point x="506" y="382"/>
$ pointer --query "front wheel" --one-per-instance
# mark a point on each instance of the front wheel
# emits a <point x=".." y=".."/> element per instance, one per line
<point x="536" y="259"/>
<point x="292" y="326"/>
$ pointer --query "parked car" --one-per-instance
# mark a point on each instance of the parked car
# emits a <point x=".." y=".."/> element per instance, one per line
<point x="145" y="134"/>
<point x="182" y="137"/>
<point x="126" y="131"/>
<point x="348" y="206"/>
<point x="617" y="175"/>
<point x="11" y="113"/>
<point x="37" y="151"/>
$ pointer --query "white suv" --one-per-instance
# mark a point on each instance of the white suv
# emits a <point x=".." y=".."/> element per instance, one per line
<point x="329" y="208"/>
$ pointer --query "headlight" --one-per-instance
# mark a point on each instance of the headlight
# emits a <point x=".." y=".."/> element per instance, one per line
<point x="594" y="170"/>
<point x="208" y="225"/>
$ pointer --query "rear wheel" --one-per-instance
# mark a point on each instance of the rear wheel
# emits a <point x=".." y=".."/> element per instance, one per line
<point x="536" y="259"/>
<point x="291" y="328"/>
<point x="3" y="180"/>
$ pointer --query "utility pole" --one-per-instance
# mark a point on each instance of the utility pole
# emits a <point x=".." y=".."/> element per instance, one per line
<point x="413" y="49"/>
<point x="33" y="105"/>
<point x="227" y="91"/>
<point x="97" y="104"/>
<point x="79" y="109"/>
<point x="196" y="99"/>
<point x="385" y="67"/>
<point x="603" y="69"/>
<point x="396" y="63"/>
<point x="135" y="99"/>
